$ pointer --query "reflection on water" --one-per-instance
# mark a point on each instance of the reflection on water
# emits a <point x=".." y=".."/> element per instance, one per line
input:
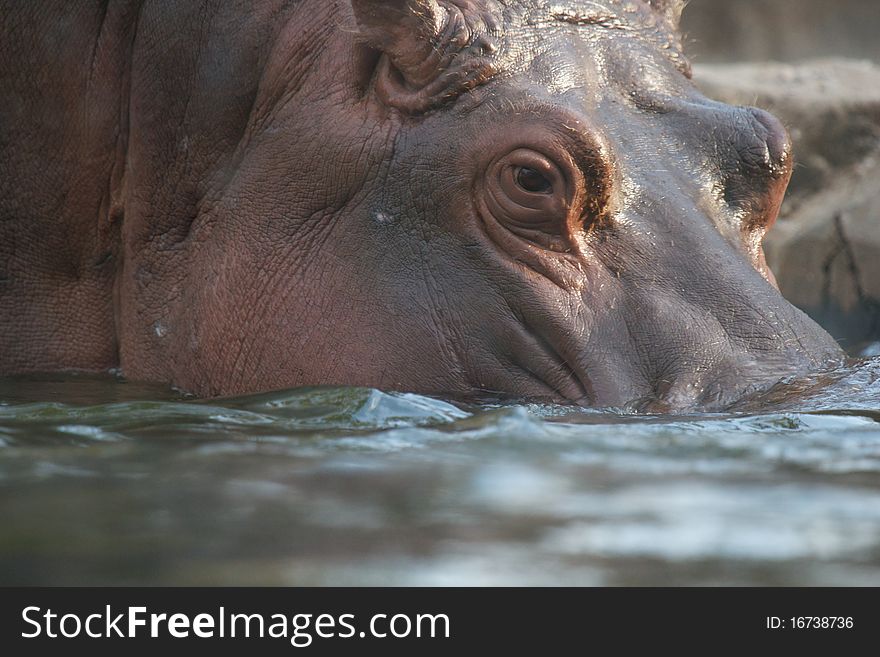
<point x="107" y="482"/>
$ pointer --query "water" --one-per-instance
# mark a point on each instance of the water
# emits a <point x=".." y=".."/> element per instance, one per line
<point x="108" y="482"/>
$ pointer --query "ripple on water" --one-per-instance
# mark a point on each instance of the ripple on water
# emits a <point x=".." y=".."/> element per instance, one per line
<point x="694" y="521"/>
<point x="353" y="485"/>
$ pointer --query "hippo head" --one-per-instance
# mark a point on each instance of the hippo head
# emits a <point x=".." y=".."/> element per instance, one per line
<point x="530" y="198"/>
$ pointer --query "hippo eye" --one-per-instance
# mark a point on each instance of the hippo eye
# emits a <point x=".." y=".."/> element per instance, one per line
<point x="530" y="194"/>
<point x="532" y="181"/>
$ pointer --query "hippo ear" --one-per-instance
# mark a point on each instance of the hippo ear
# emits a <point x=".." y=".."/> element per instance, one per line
<point x="671" y="9"/>
<point x="405" y="30"/>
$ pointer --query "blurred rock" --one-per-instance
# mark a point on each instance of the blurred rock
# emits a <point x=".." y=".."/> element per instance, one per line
<point x="782" y="30"/>
<point x="825" y="248"/>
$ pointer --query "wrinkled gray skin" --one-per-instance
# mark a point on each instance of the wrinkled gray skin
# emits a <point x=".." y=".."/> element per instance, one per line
<point x="450" y="196"/>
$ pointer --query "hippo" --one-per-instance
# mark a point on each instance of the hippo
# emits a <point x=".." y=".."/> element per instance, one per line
<point x="526" y="198"/>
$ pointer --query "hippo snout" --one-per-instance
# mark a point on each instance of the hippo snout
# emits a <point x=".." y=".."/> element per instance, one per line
<point x="709" y="382"/>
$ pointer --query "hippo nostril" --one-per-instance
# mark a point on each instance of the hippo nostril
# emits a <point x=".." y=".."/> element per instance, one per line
<point x="777" y="139"/>
<point x="756" y="183"/>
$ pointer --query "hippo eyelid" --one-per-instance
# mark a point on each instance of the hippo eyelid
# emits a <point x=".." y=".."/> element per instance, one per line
<point x="576" y="136"/>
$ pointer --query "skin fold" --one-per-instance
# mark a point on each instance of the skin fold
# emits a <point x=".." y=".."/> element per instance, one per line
<point x="440" y="196"/>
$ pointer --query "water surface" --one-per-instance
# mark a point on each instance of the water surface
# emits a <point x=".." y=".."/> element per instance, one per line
<point x="108" y="482"/>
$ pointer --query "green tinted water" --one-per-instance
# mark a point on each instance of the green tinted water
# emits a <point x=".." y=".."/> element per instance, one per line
<point x="107" y="482"/>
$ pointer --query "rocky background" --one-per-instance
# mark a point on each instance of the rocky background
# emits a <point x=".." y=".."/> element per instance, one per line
<point x="816" y="65"/>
